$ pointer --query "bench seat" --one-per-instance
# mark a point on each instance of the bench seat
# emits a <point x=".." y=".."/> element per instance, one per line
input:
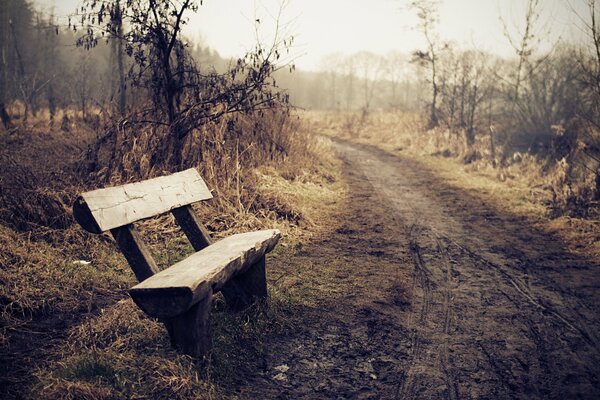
<point x="174" y="290"/>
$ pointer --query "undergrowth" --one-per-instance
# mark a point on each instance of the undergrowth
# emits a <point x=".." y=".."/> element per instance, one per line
<point x="69" y="286"/>
<point x="121" y="353"/>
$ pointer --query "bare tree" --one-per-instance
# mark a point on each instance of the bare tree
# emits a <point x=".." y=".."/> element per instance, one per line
<point x="589" y="63"/>
<point x="475" y="70"/>
<point x="15" y="16"/>
<point x="395" y="70"/>
<point x="370" y="68"/>
<point x="118" y="53"/>
<point x="450" y="91"/>
<point x="5" y="8"/>
<point x="182" y="97"/>
<point x="427" y="12"/>
<point x="51" y="47"/>
<point x="331" y="65"/>
<point x="463" y="88"/>
<point x="82" y="80"/>
<point x="349" y="69"/>
<point x="523" y="45"/>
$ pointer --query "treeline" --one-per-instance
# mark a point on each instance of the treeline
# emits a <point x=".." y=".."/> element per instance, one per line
<point x="47" y="65"/>
<point x="31" y="49"/>
<point x="359" y="81"/>
<point x="51" y="66"/>
<point x="127" y="66"/>
<point x="542" y="102"/>
<point x="133" y="62"/>
<point x="131" y="98"/>
<point x="86" y="64"/>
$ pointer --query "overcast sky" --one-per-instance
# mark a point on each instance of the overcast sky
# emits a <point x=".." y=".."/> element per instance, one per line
<point x="322" y="27"/>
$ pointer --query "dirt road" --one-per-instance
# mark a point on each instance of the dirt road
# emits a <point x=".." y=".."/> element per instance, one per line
<point x="432" y="294"/>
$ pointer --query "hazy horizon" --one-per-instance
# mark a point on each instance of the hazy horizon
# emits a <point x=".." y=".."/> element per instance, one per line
<point x="349" y="26"/>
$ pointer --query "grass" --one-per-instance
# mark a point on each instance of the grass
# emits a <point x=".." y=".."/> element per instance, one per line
<point x="514" y="195"/>
<point x="113" y="354"/>
<point x="40" y="279"/>
<point x="120" y="354"/>
<point x="69" y="330"/>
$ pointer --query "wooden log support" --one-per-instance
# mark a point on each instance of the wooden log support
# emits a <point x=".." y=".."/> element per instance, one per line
<point x="254" y="279"/>
<point x="195" y="231"/>
<point x="135" y="251"/>
<point x="236" y="297"/>
<point x="247" y="287"/>
<point x="190" y="332"/>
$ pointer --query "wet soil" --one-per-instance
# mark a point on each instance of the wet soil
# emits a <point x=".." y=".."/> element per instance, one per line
<point x="425" y="291"/>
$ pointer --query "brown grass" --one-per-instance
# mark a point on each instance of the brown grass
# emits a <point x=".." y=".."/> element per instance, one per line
<point x="68" y="329"/>
<point x="119" y="354"/>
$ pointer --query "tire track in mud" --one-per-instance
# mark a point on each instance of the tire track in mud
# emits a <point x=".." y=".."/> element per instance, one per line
<point x="521" y="334"/>
<point x="421" y="280"/>
<point x="423" y="277"/>
<point x="544" y="307"/>
<point x="426" y="293"/>
<point x="448" y="370"/>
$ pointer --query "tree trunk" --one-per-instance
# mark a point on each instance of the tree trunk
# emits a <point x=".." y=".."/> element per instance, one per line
<point x="52" y="43"/>
<point x="597" y="197"/>
<point x="120" y="61"/>
<point x="433" y="119"/>
<point x="4" y="116"/>
<point x="4" y="63"/>
<point x="492" y="148"/>
<point x="175" y="149"/>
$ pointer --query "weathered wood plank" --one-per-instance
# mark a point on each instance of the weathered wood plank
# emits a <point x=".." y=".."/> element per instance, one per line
<point x="195" y="231"/>
<point x="103" y="209"/>
<point x="190" y="331"/>
<point x="135" y="251"/>
<point x="173" y="291"/>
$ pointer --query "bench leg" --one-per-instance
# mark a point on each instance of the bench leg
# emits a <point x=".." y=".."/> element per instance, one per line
<point x="190" y="331"/>
<point x="254" y="280"/>
<point x="241" y="291"/>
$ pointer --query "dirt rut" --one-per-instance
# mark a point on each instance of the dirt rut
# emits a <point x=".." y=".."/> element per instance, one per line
<point x="434" y="294"/>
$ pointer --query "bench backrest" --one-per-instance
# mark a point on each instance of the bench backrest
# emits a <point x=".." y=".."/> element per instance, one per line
<point x="104" y="209"/>
<point x="117" y="208"/>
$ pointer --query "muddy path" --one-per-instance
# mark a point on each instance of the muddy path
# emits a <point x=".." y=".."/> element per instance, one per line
<point x="433" y="294"/>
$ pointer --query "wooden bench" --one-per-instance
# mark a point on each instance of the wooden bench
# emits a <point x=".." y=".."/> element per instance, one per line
<point x="179" y="296"/>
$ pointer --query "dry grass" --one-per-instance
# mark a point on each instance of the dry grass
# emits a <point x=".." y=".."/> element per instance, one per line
<point x="95" y="343"/>
<point x="40" y="279"/>
<point x="120" y="354"/>
<point x="123" y="354"/>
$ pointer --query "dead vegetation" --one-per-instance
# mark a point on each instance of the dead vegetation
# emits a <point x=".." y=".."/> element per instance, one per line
<point x="62" y="318"/>
<point x="66" y="289"/>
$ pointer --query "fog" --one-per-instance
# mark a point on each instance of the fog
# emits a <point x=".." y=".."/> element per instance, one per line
<point x="345" y="27"/>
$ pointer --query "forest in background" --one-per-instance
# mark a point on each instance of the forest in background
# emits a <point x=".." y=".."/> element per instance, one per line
<point x="540" y="105"/>
<point x="543" y="101"/>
